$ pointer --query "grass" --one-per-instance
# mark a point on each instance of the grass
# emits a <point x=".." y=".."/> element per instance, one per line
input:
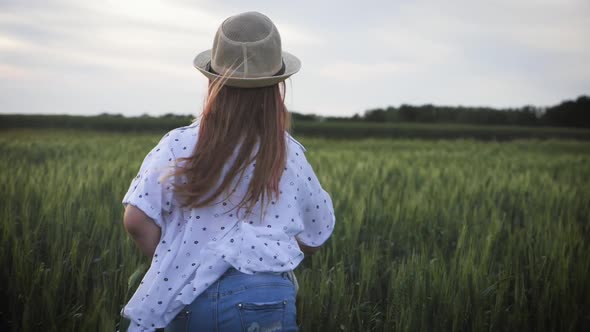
<point x="437" y="235"/>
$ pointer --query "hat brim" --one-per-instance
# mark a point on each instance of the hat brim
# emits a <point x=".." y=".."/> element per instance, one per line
<point x="292" y="65"/>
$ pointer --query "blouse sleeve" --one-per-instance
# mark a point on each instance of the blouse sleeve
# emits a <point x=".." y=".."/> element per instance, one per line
<point x="318" y="212"/>
<point x="151" y="190"/>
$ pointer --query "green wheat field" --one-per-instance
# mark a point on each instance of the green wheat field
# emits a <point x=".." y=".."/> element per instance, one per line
<point x="431" y="235"/>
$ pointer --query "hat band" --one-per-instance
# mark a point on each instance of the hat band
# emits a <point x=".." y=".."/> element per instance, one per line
<point x="280" y="72"/>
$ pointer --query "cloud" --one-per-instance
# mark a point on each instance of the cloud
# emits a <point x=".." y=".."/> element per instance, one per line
<point x="128" y="35"/>
<point x="9" y="43"/>
<point x="71" y="37"/>
<point x="361" y="71"/>
<point x="297" y="35"/>
<point x="14" y="73"/>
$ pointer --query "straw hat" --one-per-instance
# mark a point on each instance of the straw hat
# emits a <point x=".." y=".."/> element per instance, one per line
<point x="247" y="52"/>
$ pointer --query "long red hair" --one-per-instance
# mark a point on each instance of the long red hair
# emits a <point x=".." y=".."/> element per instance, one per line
<point x="237" y="118"/>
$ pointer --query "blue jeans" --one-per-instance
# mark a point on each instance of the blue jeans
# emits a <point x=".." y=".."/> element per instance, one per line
<point x="241" y="302"/>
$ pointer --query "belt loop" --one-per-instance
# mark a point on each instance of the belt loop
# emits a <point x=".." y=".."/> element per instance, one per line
<point x="293" y="279"/>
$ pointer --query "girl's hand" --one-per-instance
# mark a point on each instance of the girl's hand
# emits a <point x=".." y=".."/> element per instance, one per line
<point x="308" y="251"/>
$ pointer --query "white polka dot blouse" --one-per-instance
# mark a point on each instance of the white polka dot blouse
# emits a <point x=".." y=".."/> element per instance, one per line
<point x="198" y="245"/>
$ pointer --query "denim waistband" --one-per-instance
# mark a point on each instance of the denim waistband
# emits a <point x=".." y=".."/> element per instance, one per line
<point x="226" y="283"/>
<point x="233" y="271"/>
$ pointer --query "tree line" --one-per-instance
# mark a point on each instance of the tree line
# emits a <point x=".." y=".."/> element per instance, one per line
<point x="570" y="113"/>
<point x="403" y="121"/>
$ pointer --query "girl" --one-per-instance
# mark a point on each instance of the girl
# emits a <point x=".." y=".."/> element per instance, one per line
<point x="227" y="207"/>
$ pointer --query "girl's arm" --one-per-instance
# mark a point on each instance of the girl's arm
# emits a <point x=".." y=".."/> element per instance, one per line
<point x="142" y="229"/>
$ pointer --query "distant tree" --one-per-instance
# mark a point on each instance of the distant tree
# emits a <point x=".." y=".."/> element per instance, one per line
<point x="303" y="117"/>
<point x="407" y="113"/>
<point x="375" y="115"/>
<point x="569" y="113"/>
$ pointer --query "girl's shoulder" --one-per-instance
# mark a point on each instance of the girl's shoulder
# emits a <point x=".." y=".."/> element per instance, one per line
<point x="180" y="141"/>
<point x="175" y="134"/>
<point x="293" y="142"/>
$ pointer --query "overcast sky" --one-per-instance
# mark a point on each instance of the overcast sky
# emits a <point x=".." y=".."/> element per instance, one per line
<point x="135" y="56"/>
